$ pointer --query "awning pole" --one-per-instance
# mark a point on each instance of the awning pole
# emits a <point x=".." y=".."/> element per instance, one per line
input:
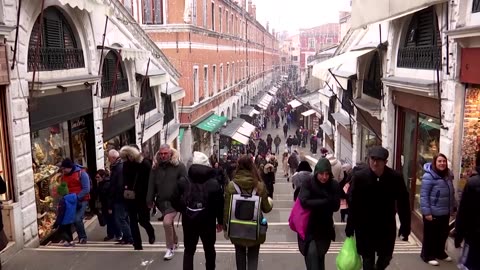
<point x="37" y="48"/>
<point x="16" y="34"/>
<point x="101" y="53"/>
<point x="144" y="79"/>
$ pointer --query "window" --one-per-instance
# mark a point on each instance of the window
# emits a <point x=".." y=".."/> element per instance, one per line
<point x="226" y="22"/>
<point x="228" y="76"/>
<point x="421" y="48"/>
<point x="153" y="12"/>
<point x="214" y="70"/>
<point x="58" y="46"/>
<point x="220" y="13"/>
<point x="476" y="6"/>
<point x="331" y="109"/>
<point x="128" y="4"/>
<point x="168" y="113"/>
<point x="234" y="79"/>
<point x="205" y="82"/>
<point x="113" y="75"/>
<point x="372" y="84"/>
<point x="347" y="96"/>
<point x="213" y="16"/>
<point x="147" y="102"/>
<point x="205" y="13"/>
<point x="311" y="43"/>
<point x="232" y="25"/>
<point x="221" y="78"/>
<point x="196" y="96"/>
<point x="194" y="12"/>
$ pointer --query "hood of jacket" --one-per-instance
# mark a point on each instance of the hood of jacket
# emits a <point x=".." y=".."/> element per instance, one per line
<point x="244" y="179"/>
<point x="131" y="153"/>
<point x="200" y="173"/>
<point x="323" y="165"/>
<point x="428" y="168"/>
<point x="268" y="168"/>
<point x="71" y="199"/>
<point x="174" y="159"/>
<point x="304" y="166"/>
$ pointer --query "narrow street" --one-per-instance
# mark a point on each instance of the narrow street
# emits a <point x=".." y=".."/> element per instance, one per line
<point x="279" y="252"/>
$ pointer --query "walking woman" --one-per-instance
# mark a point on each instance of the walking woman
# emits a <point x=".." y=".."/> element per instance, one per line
<point x="437" y="202"/>
<point x="321" y="196"/>
<point x="285" y="163"/>
<point x="247" y="179"/>
<point x="303" y="174"/>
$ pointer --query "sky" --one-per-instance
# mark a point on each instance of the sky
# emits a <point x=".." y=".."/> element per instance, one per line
<point x="293" y="15"/>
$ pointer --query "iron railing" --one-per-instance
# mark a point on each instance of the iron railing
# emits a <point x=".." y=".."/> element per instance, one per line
<point x="421" y="57"/>
<point x="121" y="87"/>
<point x="55" y="59"/>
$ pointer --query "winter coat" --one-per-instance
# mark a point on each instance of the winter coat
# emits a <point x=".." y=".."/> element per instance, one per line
<point x="373" y="204"/>
<point x="202" y="174"/>
<point x="322" y="199"/>
<point x="269" y="142"/>
<point x="298" y="179"/>
<point x="116" y="183"/>
<point x="164" y="179"/>
<point x="244" y="179"/>
<point x="268" y="177"/>
<point x="277" y="141"/>
<point x="103" y="190"/>
<point x="293" y="161"/>
<point x="467" y="224"/>
<point x="289" y="141"/>
<point x="262" y="147"/>
<point x="336" y="167"/>
<point x="285" y="128"/>
<point x="136" y="174"/>
<point x="437" y="195"/>
<point x="66" y="210"/>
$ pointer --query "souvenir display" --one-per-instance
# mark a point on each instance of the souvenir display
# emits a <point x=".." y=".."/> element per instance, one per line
<point x="471" y="134"/>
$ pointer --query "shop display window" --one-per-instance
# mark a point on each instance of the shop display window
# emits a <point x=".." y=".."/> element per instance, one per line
<point x="116" y="143"/>
<point x="368" y="140"/>
<point x="49" y="147"/>
<point x="427" y="147"/>
<point x="471" y="135"/>
<point x="4" y="160"/>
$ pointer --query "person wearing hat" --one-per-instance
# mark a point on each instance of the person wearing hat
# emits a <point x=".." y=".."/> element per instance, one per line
<point x="78" y="182"/>
<point x="66" y="210"/>
<point x="376" y="194"/>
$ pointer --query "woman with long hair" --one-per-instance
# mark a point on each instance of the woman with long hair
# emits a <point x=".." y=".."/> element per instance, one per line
<point x="247" y="179"/>
<point x="437" y="202"/>
<point x="285" y="163"/>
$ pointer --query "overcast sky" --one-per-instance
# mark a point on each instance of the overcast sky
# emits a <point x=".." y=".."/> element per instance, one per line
<point x="292" y="15"/>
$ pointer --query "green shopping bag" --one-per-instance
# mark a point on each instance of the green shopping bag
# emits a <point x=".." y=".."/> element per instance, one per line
<point x="348" y="258"/>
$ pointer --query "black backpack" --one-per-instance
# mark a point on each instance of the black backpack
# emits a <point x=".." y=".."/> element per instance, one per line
<point x="195" y="200"/>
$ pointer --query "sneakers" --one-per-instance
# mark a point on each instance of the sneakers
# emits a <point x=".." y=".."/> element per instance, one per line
<point x="151" y="240"/>
<point x="69" y="244"/>
<point x="82" y="241"/>
<point x="448" y="259"/>
<point x="169" y="254"/>
<point x="433" y="262"/>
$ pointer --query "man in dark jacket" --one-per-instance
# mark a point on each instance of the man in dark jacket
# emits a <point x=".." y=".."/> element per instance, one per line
<point x="376" y="193"/>
<point x="166" y="171"/>
<point x="262" y="148"/>
<point x="116" y="204"/>
<point x="277" y="142"/>
<point x="136" y="173"/>
<point x="467" y="224"/>
<point x="200" y="200"/>
<point x="285" y="130"/>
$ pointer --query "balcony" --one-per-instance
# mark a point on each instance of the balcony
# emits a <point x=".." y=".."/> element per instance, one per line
<point x="421" y="57"/>
<point x="55" y="59"/>
<point x="121" y="85"/>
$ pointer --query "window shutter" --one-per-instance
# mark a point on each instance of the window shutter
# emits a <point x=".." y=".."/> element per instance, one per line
<point x="69" y="39"/>
<point x="167" y="108"/>
<point x="158" y="12"/>
<point x="147" y="12"/>
<point x="53" y="34"/>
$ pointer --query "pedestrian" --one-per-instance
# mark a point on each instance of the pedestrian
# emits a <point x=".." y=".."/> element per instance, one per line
<point x="136" y="174"/>
<point x="116" y="205"/>
<point x="277" y="141"/>
<point x="320" y="194"/>
<point x="376" y="194"/>
<point x="438" y="204"/>
<point x="313" y="144"/>
<point x="269" y="142"/>
<point x="467" y="222"/>
<point x="293" y="162"/>
<point x="303" y="173"/>
<point x="285" y="130"/>
<point x="66" y="209"/>
<point x="247" y="180"/>
<point x="344" y="186"/>
<point x="78" y="182"/>
<point x="167" y="169"/>
<point x="262" y="147"/>
<point x="103" y="191"/>
<point x="289" y="143"/>
<point x="268" y="177"/>
<point x="285" y="163"/>
<point x="200" y="200"/>
<point x="283" y="114"/>
<point x="277" y="120"/>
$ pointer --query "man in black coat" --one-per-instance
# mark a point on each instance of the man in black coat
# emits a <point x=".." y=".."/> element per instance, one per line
<point x="376" y="193"/>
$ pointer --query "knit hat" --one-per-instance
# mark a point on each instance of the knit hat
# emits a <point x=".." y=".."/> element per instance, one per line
<point x="62" y="189"/>
<point x="67" y="163"/>
<point x="304" y="167"/>
<point x="323" y="165"/>
<point x="200" y="159"/>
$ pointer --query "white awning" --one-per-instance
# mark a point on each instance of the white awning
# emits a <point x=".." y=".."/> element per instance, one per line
<point x="309" y="112"/>
<point x="89" y="5"/>
<point x="320" y="70"/>
<point x="156" y="77"/>
<point x="365" y="12"/>
<point x="327" y="129"/>
<point x="246" y="129"/>
<point x="255" y="112"/>
<point x="241" y="138"/>
<point x="273" y="91"/>
<point x="325" y="95"/>
<point x="295" y="103"/>
<point x="130" y="53"/>
<point x="262" y="106"/>
<point x="176" y="92"/>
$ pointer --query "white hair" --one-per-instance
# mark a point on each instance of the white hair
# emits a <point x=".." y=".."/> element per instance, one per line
<point x="113" y="153"/>
<point x="164" y="146"/>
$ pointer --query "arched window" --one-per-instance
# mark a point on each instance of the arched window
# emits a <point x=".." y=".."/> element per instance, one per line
<point x="54" y="47"/>
<point x="421" y="48"/>
<point x="372" y="83"/>
<point x="110" y="71"/>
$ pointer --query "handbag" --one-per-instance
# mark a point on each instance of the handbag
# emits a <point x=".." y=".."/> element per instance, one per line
<point x="129" y="194"/>
<point x="298" y="220"/>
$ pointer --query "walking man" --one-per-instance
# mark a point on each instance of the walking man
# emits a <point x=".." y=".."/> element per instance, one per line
<point x="277" y="141"/>
<point x="376" y="194"/>
<point x="285" y="130"/>
<point x="166" y="172"/>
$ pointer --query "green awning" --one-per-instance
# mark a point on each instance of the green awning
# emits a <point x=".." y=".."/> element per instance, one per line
<point x="180" y="134"/>
<point x="212" y="123"/>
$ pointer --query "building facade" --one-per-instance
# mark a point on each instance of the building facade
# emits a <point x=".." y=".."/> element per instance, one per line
<point x="224" y="54"/>
<point x="81" y="81"/>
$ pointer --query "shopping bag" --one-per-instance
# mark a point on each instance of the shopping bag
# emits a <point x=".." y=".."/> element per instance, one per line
<point x="348" y="258"/>
<point x="298" y="220"/>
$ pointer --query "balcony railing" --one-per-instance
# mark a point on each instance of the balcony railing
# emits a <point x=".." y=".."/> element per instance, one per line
<point x="121" y="87"/>
<point x="421" y="57"/>
<point x="55" y="59"/>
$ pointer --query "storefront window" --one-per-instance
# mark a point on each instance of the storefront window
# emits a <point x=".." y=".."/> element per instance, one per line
<point x="151" y="146"/>
<point x="49" y="147"/>
<point x="3" y="159"/>
<point x="369" y="139"/>
<point x="117" y="142"/>
<point x="427" y="147"/>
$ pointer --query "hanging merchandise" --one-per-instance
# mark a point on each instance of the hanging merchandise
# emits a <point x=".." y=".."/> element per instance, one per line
<point x="471" y="134"/>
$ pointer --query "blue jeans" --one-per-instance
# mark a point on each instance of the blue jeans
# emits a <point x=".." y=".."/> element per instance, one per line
<point x="122" y="220"/>
<point x="79" y="226"/>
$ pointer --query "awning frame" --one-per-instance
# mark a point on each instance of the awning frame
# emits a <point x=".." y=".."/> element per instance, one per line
<point x="309" y="112"/>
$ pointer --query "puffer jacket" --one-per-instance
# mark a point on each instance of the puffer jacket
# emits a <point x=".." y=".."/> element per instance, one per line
<point x="298" y="179"/>
<point x="437" y="195"/>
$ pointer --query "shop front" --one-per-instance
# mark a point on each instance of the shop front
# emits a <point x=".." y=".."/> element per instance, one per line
<point x="311" y="119"/>
<point x="235" y="136"/>
<point x="327" y="128"/>
<point x="118" y="131"/>
<point x="204" y="131"/>
<point x="345" y="147"/>
<point x="370" y="130"/>
<point x="152" y="145"/>
<point x="418" y="138"/>
<point x="59" y="129"/>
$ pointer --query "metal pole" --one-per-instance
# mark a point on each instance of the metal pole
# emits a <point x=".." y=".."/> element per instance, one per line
<point x="16" y="34"/>
<point x="39" y="41"/>
<point x="101" y="54"/>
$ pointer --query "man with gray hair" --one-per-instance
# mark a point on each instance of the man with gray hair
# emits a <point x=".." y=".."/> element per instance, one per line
<point x="167" y="170"/>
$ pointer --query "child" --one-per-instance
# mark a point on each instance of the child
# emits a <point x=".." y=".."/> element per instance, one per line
<point x="66" y="211"/>
<point x="104" y="217"/>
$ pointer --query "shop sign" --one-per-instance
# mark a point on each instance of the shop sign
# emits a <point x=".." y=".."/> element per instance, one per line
<point x="4" y="74"/>
<point x="79" y="124"/>
<point x="470" y="66"/>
